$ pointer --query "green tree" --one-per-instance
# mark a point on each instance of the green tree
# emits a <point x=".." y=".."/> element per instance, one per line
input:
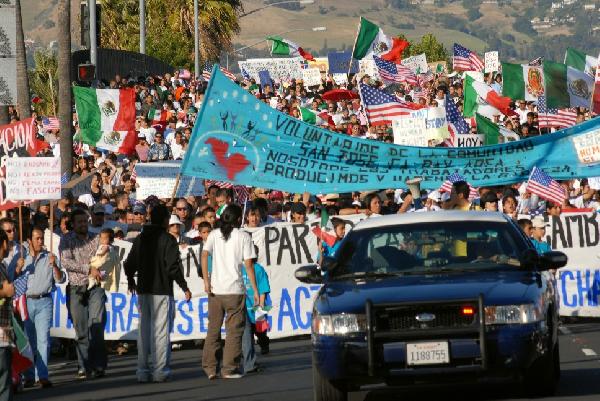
<point x="433" y="49"/>
<point x="43" y="81"/>
<point x="170" y="28"/>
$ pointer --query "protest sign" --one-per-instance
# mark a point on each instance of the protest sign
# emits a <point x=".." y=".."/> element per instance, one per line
<point x="283" y="247"/>
<point x="469" y="140"/>
<point x="322" y="63"/>
<point x="311" y="77"/>
<point x="33" y="178"/>
<point x="578" y="236"/>
<point x="340" y="79"/>
<point x="409" y="131"/>
<point x="588" y="147"/>
<point x="269" y="149"/>
<point x="417" y="64"/>
<point x="280" y="69"/>
<point x="594" y="182"/>
<point x="492" y="64"/>
<point x="438" y="67"/>
<point x="264" y="78"/>
<point x="436" y="124"/>
<point x="339" y="63"/>
<point x="159" y="179"/>
<point x="367" y="66"/>
<point x="16" y="140"/>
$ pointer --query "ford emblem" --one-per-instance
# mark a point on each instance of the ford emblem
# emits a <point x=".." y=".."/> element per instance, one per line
<point x="425" y="317"/>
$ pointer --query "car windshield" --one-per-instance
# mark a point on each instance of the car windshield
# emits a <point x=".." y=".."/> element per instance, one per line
<point x="429" y="248"/>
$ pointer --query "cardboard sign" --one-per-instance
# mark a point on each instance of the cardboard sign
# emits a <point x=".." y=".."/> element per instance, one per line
<point x="409" y="131"/>
<point x="492" y="63"/>
<point x="322" y="63"/>
<point x="417" y="64"/>
<point x="587" y="147"/>
<point x="311" y="77"/>
<point x="340" y="79"/>
<point x="159" y="179"/>
<point x="469" y="140"/>
<point x="33" y="178"/>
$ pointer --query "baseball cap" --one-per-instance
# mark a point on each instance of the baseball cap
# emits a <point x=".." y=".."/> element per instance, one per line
<point x="175" y="220"/>
<point x="139" y="208"/>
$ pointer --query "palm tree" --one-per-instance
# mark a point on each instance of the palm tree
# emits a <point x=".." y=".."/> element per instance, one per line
<point x="44" y="82"/>
<point x="170" y="28"/>
<point x="23" y="100"/>
<point x="65" y="114"/>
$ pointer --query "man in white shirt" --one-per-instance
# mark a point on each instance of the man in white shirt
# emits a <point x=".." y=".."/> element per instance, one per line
<point x="147" y="131"/>
<point x="224" y="284"/>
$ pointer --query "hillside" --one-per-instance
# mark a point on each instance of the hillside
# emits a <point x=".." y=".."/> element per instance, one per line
<point x="504" y="25"/>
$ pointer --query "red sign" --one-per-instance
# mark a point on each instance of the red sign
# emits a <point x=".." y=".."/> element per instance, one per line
<point x="16" y="140"/>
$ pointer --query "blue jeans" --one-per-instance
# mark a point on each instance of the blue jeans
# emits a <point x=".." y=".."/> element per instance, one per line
<point x="37" y="328"/>
<point x="248" y="353"/>
<point x="154" y="337"/>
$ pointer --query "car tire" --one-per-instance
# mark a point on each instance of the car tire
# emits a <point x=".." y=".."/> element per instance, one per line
<point x="541" y="379"/>
<point x="326" y="390"/>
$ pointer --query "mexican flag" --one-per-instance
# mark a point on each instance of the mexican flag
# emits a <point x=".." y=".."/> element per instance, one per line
<point x="522" y="81"/>
<point x="309" y="116"/>
<point x="371" y="40"/>
<point x="285" y="47"/>
<point x="596" y="96"/>
<point x="158" y="117"/>
<point x="106" y="117"/>
<point x="324" y="231"/>
<point x="491" y="132"/>
<point x="478" y="95"/>
<point x="567" y="86"/>
<point x="580" y="61"/>
<point x="22" y="356"/>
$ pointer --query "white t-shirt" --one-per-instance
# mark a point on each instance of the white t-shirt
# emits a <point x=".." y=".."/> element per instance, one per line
<point x="227" y="259"/>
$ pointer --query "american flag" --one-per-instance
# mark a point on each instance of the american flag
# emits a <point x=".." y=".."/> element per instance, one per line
<point x="19" y="299"/>
<point x="220" y="184"/>
<point x="536" y="62"/>
<point x="185" y="74"/>
<point x="544" y="186"/>
<point x="242" y="193"/>
<point x="64" y="178"/>
<point x="50" y="123"/>
<point x="455" y="177"/>
<point x="561" y="118"/>
<point x="133" y="174"/>
<point x="207" y="72"/>
<point x="381" y="108"/>
<point x="456" y="122"/>
<point x="394" y="72"/>
<point x="466" y="60"/>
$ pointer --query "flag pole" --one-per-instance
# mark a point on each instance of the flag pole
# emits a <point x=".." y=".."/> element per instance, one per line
<point x="51" y="225"/>
<point x="354" y="45"/>
<point x="175" y="188"/>
<point x="21" y="227"/>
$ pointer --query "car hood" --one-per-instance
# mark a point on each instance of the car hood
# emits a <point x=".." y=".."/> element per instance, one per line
<point x="498" y="288"/>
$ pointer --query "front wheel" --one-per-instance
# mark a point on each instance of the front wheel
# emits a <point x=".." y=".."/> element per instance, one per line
<point x="542" y="377"/>
<point x="326" y="390"/>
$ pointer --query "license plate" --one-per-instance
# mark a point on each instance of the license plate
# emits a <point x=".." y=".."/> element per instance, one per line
<point x="429" y="353"/>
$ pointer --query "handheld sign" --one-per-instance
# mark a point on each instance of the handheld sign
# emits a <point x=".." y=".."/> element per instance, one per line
<point x="33" y="178"/>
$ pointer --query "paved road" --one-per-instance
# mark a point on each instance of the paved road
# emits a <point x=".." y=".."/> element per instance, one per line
<point x="288" y="377"/>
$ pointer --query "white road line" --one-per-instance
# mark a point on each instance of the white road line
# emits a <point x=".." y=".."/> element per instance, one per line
<point x="588" y="352"/>
<point x="565" y="330"/>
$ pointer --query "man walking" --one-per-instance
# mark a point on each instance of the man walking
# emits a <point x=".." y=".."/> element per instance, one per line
<point x="43" y="273"/>
<point x="87" y="308"/>
<point x="155" y="258"/>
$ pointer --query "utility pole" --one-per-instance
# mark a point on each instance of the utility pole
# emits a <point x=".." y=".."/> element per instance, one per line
<point x="93" y="28"/>
<point x="196" y="41"/>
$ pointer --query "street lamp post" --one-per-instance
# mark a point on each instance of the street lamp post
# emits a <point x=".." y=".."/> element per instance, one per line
<point x="93" y="28"/>
<point x="196" y="41"/>
<point x="314" y="29"/>
<point x="143" y="26"/>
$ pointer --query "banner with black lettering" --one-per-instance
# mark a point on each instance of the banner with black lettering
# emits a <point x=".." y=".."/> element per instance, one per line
<point x="283" y="247"/>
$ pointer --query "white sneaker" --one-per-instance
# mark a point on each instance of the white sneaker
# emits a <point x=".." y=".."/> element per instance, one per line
<point x="233" y="376"/>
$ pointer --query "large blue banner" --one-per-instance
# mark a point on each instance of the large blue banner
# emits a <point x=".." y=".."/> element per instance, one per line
<point x="242" y="140"/>
<point x="339" y="63"/>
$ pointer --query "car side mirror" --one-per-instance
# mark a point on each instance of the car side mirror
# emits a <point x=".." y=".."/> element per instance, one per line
<point x="310" y="274"/>
<point x="328" y="263"/>
<point x="553" y="260"/>
<point x="529" y="259"/>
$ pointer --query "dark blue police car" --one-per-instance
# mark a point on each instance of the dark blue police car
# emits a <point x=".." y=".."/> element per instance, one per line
<point x="434" y="297"/>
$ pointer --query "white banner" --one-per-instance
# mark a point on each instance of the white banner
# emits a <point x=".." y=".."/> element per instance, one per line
<point x="409" y="131"/>
<point x="340" y="79"/>
<point x="469" y="140"/>
<point x="32" y="178"/>
<point x="492" y="63"/>
<point x="311" y="77"/>
<point x="159" y="179"/>
<point x="283" y="247"/>
<point x="578" y="236"/>
<point x="280" y="69"/>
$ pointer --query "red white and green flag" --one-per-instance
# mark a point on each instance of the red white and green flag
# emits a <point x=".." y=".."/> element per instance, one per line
<point x="324" y="231"/>
<point x="106" y="118"/>
<point x="158" y="117"/>
<point x="22" y="357"/>
<point x="371" y="41"/>
<point x="285" y="47"/>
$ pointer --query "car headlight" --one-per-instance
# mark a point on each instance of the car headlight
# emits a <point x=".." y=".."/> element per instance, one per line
<point x="512" y="314"/>
<point x="338" y="324"/>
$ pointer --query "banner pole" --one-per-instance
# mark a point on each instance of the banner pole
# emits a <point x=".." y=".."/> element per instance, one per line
<point x="21" y="227"/>
<point x="177" y="179"/>
<point x="51" y="225"/>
